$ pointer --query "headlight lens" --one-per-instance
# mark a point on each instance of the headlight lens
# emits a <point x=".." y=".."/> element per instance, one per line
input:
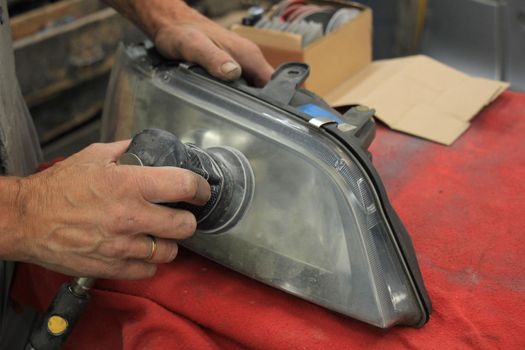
<point x="316" y="226"/>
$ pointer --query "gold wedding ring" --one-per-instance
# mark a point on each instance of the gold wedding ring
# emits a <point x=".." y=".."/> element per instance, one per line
<point x="153" y="248"/>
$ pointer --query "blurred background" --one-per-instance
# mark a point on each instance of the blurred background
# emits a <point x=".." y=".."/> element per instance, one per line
<point x="64" y="50"/>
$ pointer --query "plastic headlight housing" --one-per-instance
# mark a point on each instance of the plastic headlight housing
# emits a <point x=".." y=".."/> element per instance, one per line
<point x="319" y="224"/>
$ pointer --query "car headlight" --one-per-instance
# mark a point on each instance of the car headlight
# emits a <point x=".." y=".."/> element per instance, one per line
<point x="319" y="224"/>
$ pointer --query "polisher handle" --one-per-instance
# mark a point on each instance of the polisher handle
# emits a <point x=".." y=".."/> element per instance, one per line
<point x="56" y="324"/>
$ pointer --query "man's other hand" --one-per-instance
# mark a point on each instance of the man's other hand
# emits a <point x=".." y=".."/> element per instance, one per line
<point x="180" y="32"/>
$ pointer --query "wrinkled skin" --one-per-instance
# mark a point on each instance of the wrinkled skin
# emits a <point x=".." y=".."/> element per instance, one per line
<point x="87" y="216"/>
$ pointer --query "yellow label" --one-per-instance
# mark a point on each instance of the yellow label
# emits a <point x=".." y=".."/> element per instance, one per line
<point x="56" y="325"/>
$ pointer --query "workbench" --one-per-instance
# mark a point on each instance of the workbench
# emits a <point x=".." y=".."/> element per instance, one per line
<point x="464" y="206"/>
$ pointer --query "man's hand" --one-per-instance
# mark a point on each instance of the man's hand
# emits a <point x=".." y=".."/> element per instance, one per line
<point x="182" y="33"/>
<point x="88" y="216"/>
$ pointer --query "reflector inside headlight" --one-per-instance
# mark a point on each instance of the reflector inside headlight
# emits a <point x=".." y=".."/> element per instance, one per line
<point x="319" y="224"/>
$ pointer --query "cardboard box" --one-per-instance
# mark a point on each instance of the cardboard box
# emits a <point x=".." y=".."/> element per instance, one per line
<point x="416" y="94"/>
<point x="349" y="48"/>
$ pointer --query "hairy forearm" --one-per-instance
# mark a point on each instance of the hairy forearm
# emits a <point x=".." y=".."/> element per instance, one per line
<point x="151" y="15"/>
<point x="11" y="218"/>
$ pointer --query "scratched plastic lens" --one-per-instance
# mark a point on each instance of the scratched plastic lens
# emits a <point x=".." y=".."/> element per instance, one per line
<point x="314" y="227"/>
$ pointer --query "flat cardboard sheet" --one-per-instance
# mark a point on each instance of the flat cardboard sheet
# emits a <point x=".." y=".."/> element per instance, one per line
<point x="418" y="95"/>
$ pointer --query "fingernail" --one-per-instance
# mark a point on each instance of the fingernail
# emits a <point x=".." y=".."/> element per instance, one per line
<point x="204" y="192"/>
<point x="231" y="69"/>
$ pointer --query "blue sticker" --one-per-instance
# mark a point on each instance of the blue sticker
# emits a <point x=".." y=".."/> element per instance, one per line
<point x="316" y="111"/>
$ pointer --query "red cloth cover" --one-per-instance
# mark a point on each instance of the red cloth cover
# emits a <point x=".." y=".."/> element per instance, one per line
<point x="464" y="206"/>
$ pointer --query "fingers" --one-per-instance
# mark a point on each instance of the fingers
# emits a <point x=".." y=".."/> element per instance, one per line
<point x="193" y="45"/>
<point x="255" y="67"/>
<point x="221" y="52"/>
<point x="116" y="149"/>
<point x="106" y="151"/>
<point x="170" y="185"/>
<point x="258" y="74"/>
<point x="165" y="222"/>
<point x="150" y="249"/>
<point x="160" y="252"/>
<point x="160" y="221"/>
<point x="133" y="257"/>
<point x="128" y="258"/>
<point x="141" y="257"/>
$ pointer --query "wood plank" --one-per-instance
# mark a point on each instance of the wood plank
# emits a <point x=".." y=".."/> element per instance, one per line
<point x="69" y="109"/>
<point x="50" y="62"/>
<point x="74" y="142"/>
<point x="34" y="21"/>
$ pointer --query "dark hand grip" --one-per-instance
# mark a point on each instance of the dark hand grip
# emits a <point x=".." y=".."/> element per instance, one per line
<point x="57" y="323"/>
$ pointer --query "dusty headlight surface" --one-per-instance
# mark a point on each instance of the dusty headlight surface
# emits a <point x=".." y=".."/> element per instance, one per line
<point x="317" y="226"/>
